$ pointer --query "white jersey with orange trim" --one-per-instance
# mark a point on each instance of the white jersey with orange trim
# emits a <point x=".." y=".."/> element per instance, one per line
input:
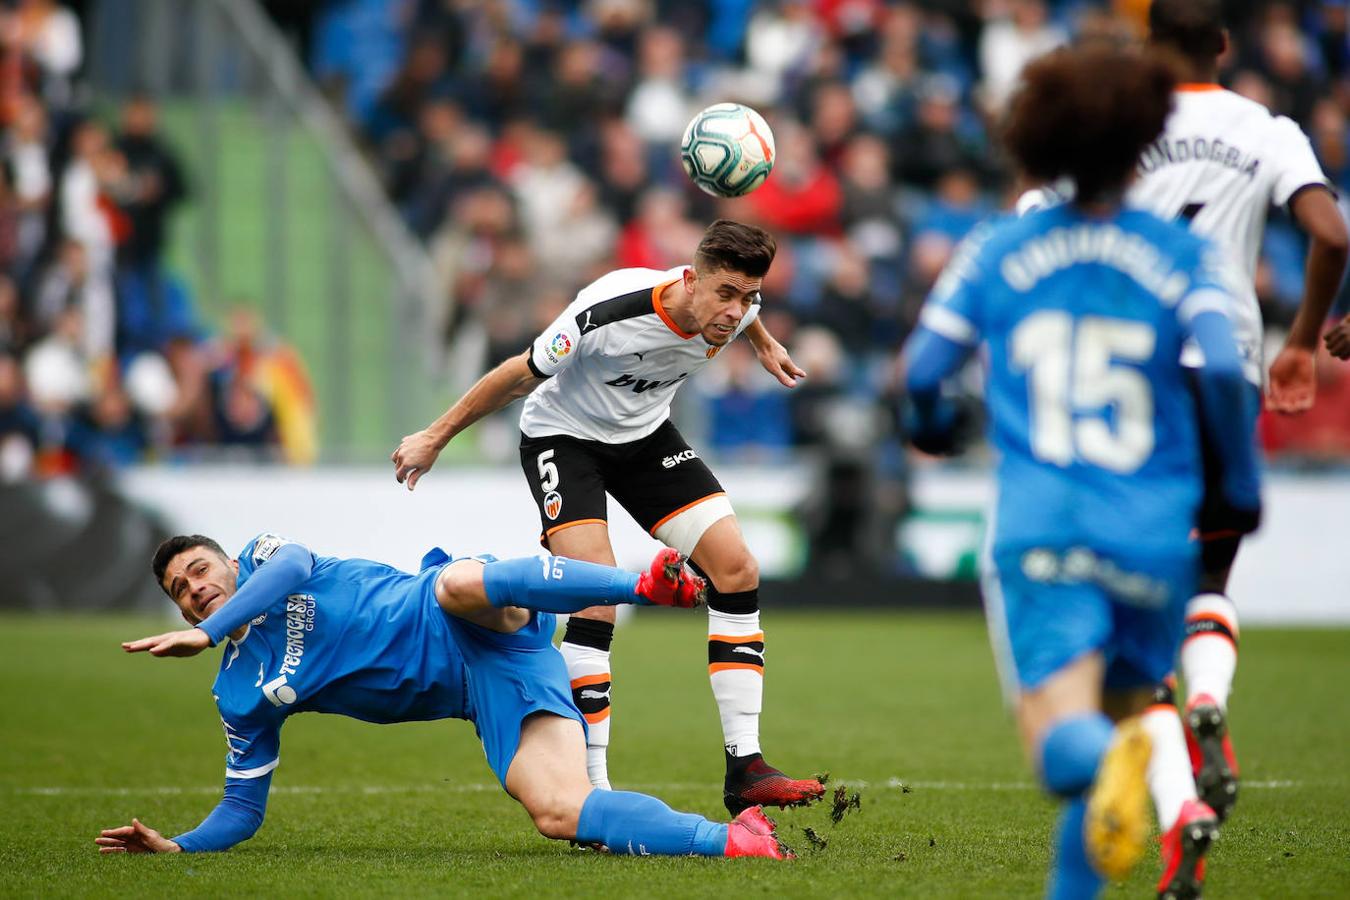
<point x="614" y="360"/>
<point x="1221" y="162"/>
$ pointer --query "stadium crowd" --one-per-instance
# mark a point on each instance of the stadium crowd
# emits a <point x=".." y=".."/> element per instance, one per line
<point x="102" y="360"/>
<point x="533" y="144"/>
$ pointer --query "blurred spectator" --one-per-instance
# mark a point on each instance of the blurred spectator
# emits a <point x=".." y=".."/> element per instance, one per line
<point x="1020" y="31"/>
<point x="803" y="196"/>
<point x="27" y="153"/>
<point x="108" y="432"/>
<point x="780" y="38"/>
<point x="659" y="108"/>
<point x="748" y="414"/>
<point x="262" y="397"/>
<point x="49" y="36"/>
<point x="661" y="235"/>
<point x="154" y="185"/>
<point x="20" y="428"/>
<point x="935" y="142"/>
<point x="91" y="218"/>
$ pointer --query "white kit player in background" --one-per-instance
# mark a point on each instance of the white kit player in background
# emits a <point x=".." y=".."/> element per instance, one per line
<point x="1220" y="164"/>
<point x="600" y="380"/>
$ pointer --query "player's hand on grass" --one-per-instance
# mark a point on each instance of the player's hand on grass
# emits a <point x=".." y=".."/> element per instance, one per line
<point x="1293" y="381"/>
<point x="415" y="455"/>
<point x="188" y="642"/>
<point x="134" y="838"/>
<point x="1338" y="339"/>
<point x="774" y="357"/>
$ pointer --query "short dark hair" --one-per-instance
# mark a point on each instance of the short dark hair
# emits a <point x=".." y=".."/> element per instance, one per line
<point x="1193" y="28"/>
<point x="175" y="545"/>
<point x="1088" y="114"/>
<point x="735" y="247"/>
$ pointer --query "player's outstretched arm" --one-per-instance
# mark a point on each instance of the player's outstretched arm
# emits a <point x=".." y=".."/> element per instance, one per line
<point x="1293" y="384"/>
<point x="773" y="356"/>
<point x="236" y="818"/>
<point x="134" y="838"/>
<point x="187" y="642"/>
<point x="417" y="453"/>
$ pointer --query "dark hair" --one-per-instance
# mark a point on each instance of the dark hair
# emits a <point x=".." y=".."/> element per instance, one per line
<point x="735" y="247"/>
<point x="176" y="545"/>
<point x="1193" y="28"/>
<point x="1088" y="114"/>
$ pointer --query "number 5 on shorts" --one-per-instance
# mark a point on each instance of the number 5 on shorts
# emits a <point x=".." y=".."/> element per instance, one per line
<point x="548" y="471"/>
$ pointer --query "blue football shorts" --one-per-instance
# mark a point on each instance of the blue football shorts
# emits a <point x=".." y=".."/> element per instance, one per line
<point x="510" y="677"/>
<point x="1048" y="607"/>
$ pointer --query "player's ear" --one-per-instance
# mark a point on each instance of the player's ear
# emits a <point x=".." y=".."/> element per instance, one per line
<point x="1224" y="42"/>
<point x="690" y="278"/>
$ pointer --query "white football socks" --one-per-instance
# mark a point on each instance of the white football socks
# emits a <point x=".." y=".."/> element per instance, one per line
<point x="736" y="670"/>
<point x="1170" y="781"/>
<point x="1209" y="650"/>
<point x="588" y="671"/>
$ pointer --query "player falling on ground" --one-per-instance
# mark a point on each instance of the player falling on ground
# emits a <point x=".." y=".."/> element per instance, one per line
<point x="1221" y="161"/>
<point x="600" y="381"/>
<point x="464" y="639"/>
<point x="1083" y="309"/>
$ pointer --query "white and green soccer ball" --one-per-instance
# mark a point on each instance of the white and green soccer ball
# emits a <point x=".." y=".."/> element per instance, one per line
<point x="728" y="150"/>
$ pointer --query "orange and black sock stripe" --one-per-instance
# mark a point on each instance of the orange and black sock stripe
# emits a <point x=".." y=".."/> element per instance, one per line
<point x="591" y="695"/>
<point x="736" y="651"/>
<point x="1209" y="623"/>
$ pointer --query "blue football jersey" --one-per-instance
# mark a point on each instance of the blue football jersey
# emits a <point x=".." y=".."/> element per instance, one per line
<point x="356" y="638"/>
<point x="1083" y="321"/>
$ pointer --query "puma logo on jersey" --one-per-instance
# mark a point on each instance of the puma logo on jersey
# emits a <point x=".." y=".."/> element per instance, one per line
<point x="588" y="324"/>
<point x="642" y="385"/>
<point x="674" y="460"/>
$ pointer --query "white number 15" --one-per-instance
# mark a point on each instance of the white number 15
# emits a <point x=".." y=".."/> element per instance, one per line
<point x="1071" y="377"/>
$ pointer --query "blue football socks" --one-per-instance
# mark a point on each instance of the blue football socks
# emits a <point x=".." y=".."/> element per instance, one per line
<point x="556" y="584"/>
<point x="636" y="824"/>
<point x="1070" y="754"/>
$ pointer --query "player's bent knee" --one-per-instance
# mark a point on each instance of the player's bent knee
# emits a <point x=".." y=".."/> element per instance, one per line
<point x="555" y="814"/>
<point x="740" y="574"/>
<point x="459" y="588"/>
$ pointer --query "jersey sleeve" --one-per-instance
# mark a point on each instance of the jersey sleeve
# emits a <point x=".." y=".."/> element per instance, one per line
<point x="253" y="741"/>
<point x="1297" y="165"/>
<point x="555" y="348"/>
<point x="1211" y="286"/>
<point x="258" y="551"/>
<point x="953" y="308"/>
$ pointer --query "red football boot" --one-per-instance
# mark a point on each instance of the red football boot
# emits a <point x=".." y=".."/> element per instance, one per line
<point x="668" y="583"/>
<point x="753" y="834"/>
<point x="1212" y="759"/>
<point x="1183" y="851"/>
<point x="753" y="782"/>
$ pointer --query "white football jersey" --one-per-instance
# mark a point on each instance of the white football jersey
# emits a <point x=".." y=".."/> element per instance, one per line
<point x="1221" y="162"/>
<point x="614" y="360"/>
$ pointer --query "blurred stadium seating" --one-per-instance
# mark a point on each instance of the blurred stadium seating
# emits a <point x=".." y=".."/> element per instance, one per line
<point x="284" y="232"/>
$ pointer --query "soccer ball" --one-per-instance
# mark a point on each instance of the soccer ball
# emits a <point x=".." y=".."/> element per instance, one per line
<point x="727" y="150"/>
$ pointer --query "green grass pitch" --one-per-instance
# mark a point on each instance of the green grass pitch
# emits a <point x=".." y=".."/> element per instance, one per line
<point x="91" y="737"/>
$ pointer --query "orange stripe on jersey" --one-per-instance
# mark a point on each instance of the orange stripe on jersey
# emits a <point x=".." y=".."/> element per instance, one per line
<point x="737" y="638"/>
<point x="593" y="718"/>
<point x="665" y="317"/>
<point x="1160" y="707"/>
<point x="1196" y="87"/>
<point x="714" y="668"/>
<point x="586" y="680"/>
<point x="688" y="506"/>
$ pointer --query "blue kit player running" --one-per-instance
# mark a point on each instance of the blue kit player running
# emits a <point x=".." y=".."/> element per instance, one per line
<point x="463" y="639"/>
<point x="1082" y="311"/>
